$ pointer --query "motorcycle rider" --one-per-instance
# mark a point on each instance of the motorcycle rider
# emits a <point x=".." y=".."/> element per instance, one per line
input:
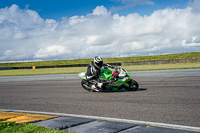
<point x="93" y="72"/>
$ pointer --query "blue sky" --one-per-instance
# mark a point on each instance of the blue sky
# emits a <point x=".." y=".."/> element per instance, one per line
<point x="71" y="29"/>
<point x="56" y="9"/>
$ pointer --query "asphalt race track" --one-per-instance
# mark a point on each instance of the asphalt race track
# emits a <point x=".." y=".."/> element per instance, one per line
<point x="165" y="96"/>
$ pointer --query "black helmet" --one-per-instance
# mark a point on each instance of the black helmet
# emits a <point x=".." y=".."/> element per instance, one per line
<point x="98" y="61"/>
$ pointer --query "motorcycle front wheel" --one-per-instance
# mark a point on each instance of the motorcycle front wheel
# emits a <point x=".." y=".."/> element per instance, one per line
<point x="133" y="85"/>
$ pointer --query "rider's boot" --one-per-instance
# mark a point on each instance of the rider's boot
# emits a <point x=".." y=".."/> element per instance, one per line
<point x="94" y="88"/>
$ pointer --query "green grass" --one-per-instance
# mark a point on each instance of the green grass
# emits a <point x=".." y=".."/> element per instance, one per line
<point x="46" y="71"/>
<point x="163" y="67"/>
<point x="68" y="70"/>
<point x="108" y="60"/>
<point x="13" y="127"/>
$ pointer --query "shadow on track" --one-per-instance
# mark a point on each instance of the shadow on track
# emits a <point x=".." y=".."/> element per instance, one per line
<point x="122" y="90"/>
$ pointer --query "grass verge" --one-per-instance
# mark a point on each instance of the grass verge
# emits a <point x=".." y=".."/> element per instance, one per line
<point x="69" y="70"/>
<point x="163" y="66"/>
<point x="120" y="59"/>
<point x="13" y="127"/>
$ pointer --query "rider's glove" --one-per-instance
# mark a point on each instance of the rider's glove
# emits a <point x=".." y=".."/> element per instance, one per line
<point x="112" y="67"/>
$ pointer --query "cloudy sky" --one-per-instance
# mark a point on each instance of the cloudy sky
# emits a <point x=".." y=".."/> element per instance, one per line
<point x="66" y="29"/>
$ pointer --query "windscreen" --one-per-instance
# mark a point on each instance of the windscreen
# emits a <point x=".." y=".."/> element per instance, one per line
<point x="122" y="73"/>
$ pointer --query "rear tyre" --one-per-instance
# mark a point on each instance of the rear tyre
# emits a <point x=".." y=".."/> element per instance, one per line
<point x="85" y="84"/>
<point x="133" y="85"/>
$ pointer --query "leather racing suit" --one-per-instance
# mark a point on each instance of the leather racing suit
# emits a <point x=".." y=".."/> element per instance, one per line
<point x="93" y="74"/>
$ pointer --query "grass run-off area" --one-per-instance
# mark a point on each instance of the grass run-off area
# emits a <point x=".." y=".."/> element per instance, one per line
<point x="69" y="70"/>
<point x="108" y="60"/>
<point x="12" y="127"/>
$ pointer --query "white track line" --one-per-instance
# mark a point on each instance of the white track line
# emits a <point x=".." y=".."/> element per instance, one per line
<point x="143" y="123"/>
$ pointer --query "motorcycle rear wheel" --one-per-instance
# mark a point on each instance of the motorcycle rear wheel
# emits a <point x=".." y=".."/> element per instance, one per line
<point x="85" y="85"/>
<point x="133" y="85"/>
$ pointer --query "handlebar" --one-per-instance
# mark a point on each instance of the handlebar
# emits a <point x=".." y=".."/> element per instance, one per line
<point x="115" y="67"/>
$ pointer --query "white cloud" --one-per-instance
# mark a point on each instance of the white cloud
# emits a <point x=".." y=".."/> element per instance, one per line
<point x="129" y="3"/>
<point x="8" y="52"/>
<point x="100" y="10"/>
<point x="76" y="19"/>
<point x="195" y="5"/>
<point x="51" y="51"/>
<point x="91" y="40"/>
<point x="194" y="41"/>
<point x="19" y="35"/>
<point x="25" y="35"/>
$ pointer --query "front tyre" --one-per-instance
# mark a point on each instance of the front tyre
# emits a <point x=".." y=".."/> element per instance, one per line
<point x="133" y="85"/>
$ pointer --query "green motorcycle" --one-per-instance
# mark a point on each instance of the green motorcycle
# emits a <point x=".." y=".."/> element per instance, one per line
<point x="118" y="79"/>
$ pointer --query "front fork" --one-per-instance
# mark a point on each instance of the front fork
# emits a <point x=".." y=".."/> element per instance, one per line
<point x="127" y="83"/>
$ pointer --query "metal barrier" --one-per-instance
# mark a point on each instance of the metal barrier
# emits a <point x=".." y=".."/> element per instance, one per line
<point x="6" y="68"/>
